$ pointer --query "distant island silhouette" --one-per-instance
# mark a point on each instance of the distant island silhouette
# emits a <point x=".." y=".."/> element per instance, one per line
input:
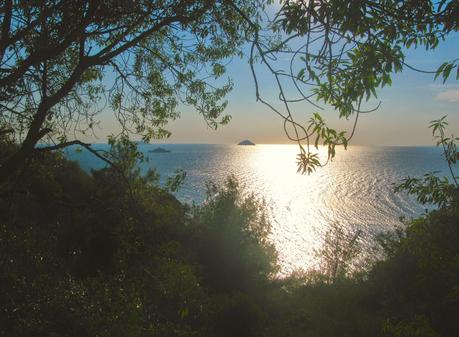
<point x="159" y="150"/>
<point x="246" y="142"/>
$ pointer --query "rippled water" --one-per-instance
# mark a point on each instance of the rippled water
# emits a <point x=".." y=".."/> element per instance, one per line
<point x="355" y="190"/>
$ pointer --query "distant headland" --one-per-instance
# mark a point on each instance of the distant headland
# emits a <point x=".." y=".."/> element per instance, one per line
<point x="246" y="142"/>
<point x="159" y="150"/>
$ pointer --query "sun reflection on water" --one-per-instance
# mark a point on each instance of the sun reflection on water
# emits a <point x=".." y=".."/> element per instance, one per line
<point x="354" y="190"/>
<point x="294" y="199"/>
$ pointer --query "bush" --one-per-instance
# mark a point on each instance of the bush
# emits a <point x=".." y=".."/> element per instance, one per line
<point x="113" y="254"/>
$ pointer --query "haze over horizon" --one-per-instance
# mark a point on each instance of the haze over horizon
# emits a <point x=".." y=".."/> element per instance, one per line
<point x="407" y="107"/>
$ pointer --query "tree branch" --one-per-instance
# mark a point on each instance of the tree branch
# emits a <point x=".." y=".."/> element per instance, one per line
<point x="6" y="24"/>
<point x="87" y="146"/>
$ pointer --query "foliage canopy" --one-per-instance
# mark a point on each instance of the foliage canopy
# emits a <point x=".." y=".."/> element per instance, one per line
<point x="62" y="62"/>
<point x="340" y="54"/>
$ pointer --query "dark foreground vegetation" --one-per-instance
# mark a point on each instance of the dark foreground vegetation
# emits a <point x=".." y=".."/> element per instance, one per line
<point x="112" y="254"/>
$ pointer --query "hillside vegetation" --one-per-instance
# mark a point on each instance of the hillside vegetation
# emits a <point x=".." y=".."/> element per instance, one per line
<point x="113" y="254"/>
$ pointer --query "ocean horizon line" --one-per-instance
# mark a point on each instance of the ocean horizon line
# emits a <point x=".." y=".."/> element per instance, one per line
<point x="277" y="144"/>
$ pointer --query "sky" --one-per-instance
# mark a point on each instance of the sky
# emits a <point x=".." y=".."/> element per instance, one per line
<point x="406" y="108"/>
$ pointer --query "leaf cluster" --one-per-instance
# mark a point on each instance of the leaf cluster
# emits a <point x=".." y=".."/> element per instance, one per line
<point x="63" y="63"/>
<point x="341" y="54"/>
<point x="432" y="188"/>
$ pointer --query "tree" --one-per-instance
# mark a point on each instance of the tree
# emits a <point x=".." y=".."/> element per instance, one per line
<point x="102" y="254"/>
<point x="340" y="53"/>
<point x="62" y="62"/>
<point x="441" y="191"/>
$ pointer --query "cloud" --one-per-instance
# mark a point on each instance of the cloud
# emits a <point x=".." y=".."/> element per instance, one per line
<point x="448" y="95"/>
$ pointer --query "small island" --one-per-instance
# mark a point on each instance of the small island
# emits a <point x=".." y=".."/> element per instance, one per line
<point x="246" y="142"/>
<point x="159" y="150"/>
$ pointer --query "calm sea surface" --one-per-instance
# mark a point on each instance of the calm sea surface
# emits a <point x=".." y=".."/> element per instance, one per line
<point x="354" y="190"/>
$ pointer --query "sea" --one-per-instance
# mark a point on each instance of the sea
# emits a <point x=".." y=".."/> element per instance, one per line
<point x="355" y="190"/>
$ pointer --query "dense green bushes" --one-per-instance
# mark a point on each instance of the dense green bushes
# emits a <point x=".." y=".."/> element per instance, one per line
<point x="113" y="254"/>
<point x="419" y="280"/>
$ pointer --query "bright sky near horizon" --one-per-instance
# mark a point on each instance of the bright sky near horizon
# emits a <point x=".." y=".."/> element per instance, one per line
<point x="406" y="108"/>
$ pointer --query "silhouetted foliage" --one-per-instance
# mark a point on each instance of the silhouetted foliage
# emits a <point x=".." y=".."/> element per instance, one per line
<point x="112" y="253"/>
<point x="419" y="280"/>
<point x="340" y="54"/>
<point x="63" y="62"/>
